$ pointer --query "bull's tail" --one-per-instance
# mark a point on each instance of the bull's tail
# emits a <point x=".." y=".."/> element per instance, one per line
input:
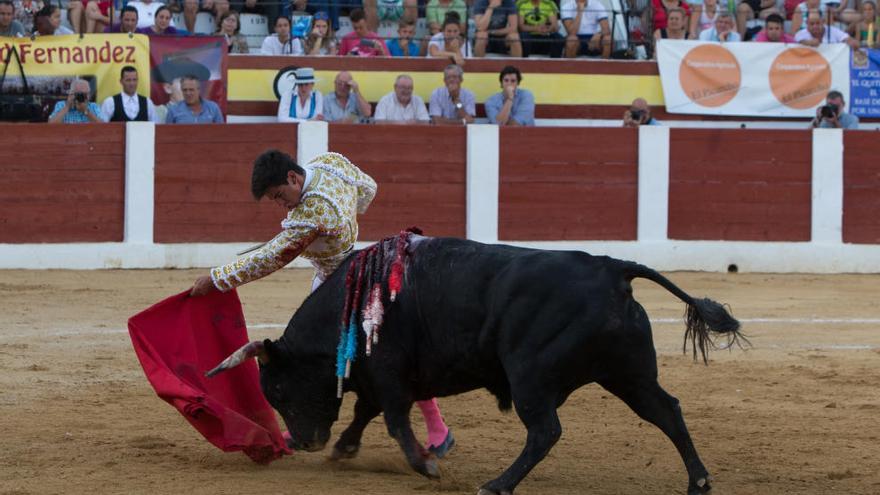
<point x="703" y="317"/>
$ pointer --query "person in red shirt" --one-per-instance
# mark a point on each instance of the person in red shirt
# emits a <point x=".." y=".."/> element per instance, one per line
<point x="774" y="31"/>
<point x="362" y="42"/>
<point x="660" y="8"/>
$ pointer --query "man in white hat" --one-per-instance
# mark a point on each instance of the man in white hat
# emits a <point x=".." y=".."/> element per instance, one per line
<point x="303" y="103"/>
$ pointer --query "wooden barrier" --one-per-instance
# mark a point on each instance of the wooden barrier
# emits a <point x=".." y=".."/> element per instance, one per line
<point x="203" y="182"/>
<point x="62" y="183"/>
<point x="567" y="184"/>
<point x="420" y="171"/>
<point x="861" y="188"/>
<point x="740" y="185"/>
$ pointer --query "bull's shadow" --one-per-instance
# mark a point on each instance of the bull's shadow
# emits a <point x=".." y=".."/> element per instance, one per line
<point x="530" y="326"/>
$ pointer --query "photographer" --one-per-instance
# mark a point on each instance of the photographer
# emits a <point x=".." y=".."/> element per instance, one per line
<point x="832" y="116"/>
<point x="77" y="109"/>
<point x="639" y="113"/>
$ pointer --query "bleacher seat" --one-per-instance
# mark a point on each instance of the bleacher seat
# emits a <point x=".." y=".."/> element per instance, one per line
<point x="254" y="27"/>
<point x="205" y="23"/>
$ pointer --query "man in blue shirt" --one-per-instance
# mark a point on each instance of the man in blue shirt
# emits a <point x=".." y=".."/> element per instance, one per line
<point x="193" y="109"/>
<point x="77" y="109"/>
<point x="832" y="116"/>
<point x="513" y="105"/>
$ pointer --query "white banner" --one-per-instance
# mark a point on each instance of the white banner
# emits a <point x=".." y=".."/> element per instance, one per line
<point x="751" y="79"/>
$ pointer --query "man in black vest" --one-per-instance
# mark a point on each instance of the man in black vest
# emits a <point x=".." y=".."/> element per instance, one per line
<point x="129" y="105"/>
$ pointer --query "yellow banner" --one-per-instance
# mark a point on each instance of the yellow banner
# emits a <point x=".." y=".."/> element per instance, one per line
<point x="51" y="63"/>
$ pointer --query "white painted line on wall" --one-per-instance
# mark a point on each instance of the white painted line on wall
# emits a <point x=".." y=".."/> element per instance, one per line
<point x="653" y="189"/>
<point x="481" y="204"/>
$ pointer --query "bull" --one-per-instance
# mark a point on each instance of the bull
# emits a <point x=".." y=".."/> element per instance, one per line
<point x="530" y="326"/>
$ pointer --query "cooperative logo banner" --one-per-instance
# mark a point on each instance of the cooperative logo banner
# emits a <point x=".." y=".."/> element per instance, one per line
<point x="750" y="79"/>
<point x="865" y="80"/>
<point x="52" y="63"/>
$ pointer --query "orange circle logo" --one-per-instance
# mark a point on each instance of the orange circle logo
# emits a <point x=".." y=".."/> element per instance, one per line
<point x="710" y="75"/>
<point x="800" y="78"/>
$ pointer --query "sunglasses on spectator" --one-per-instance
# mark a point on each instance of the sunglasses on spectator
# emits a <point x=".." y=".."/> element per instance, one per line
<point x="321" y="16"/>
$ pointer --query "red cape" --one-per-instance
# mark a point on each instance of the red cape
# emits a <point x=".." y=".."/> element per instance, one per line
<point x="177" y="340"/>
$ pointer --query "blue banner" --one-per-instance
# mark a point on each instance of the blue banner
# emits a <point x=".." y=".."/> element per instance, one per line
<point x="865" y="83"/>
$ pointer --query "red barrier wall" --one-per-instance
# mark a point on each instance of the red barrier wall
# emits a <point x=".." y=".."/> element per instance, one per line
<point x="422" y="185"/>
<point x="203" y="178"/>
<point x="62" y="183"/>
<point x="549" y="191"/>
<point x="740" y="184"/>
<point x="861" y="188"/>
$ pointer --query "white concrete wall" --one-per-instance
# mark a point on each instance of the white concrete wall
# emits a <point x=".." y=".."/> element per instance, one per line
<point x="825" y="253"/>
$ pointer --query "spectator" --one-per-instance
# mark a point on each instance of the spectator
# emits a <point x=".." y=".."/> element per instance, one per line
<point x="702" y="18"/>
<point x="675" y="27"/>
<point x="229" y="29"/>
<point x="346" y="104"/>
<point x="449" y="43"/>
<point x="162" y="26"/>
<point x="586" y="25"/>
<point x="127" y="22"/>
<point x="47" y="22"/>
<point x="403" y="45"/>
<point x="774" y="31"/>
<point x="78" y="108"/>
<point x="832" y="116"/>
<point x="753" y="9"/>
<point x="389" y="10"/>
<point x="513" y="105"/>
<point x="321" y="40"/>
<point x="147" y="10"/>
<point x="496" y="28"/>
<point x="8" y="25"/>
<point x="303" y="103"/>
<point x="97" y="16"/>
<point x="435" y="13"/>
<point x="74" y="14"/>
<point x="193" y="109"/>
<point x="639" y="113"/>
<point x="802" y="11"/>
<point x="860" y="30"/>
<point x="452" y="104"/>
<point x="24" y="12"/>
<point x="723" y="31"/>
<point x="662" y="6"/>
<point x="401" y="106"/>
<point x="281" y="43"/>
<point x="361" y="42"/>
<point x="128" y="105"/>
<point x="169" y="74"/>
<point x="817" y="33"/>
<point x="539" y="28"/>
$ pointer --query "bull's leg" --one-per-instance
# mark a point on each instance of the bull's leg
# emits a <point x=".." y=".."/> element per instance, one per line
<point x="538" y="414"/>
<point x="399" y="427"/>
<point x="647" y="399"/>
<point x="350" y="441"/>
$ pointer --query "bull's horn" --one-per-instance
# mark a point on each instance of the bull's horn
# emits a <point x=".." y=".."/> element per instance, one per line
<point x="247" y="351"/>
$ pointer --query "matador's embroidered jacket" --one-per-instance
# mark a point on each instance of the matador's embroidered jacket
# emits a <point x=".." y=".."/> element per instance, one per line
<point x="322" y="227"/>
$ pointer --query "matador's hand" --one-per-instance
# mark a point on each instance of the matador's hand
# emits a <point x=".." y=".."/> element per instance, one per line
<point x="203" y="286"/>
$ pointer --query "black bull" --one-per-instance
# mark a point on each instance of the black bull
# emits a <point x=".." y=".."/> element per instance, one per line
<point x="530" y="326"/>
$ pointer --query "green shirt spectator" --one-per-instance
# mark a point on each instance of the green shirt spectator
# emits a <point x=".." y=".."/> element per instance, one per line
<point x="537" y="13"/>
<point x="436" y="11"/>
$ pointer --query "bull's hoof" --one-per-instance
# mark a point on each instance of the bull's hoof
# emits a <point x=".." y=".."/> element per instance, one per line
<point x="486" y="491"/>
<point x="344" y="452"/>
<point x="441" y="450"/>
<point x="432" y="468"/>
<point x="700" y="486"/>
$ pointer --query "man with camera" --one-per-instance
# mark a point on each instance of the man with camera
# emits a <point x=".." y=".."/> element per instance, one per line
<point x="832" y="116"/>
<point x="77" y="109"/>
<point x="639" y="113"/>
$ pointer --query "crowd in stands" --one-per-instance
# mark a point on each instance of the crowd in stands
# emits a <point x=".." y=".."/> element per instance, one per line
<point x="457" y="29"/>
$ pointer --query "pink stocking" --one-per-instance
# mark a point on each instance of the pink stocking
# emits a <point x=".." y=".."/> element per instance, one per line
<point x="437" y="430"/>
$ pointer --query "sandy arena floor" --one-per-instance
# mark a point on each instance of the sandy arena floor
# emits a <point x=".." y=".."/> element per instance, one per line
<point x="798" y="413"/>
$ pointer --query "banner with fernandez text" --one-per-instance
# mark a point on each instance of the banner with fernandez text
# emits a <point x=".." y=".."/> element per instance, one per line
<point x="750" y="79"/>
<point x="52" y="63"/>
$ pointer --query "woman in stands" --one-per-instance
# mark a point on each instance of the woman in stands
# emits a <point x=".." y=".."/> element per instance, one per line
<point x="47" y="22"/>
<point x="162" y="25"/>
<point x="448" y="43"/>
<point x="675" y="26"/>
<point x="799" y="17"/>
<point x="322" y="39"/>
<point x="703" y="18"/>
<point x="281" y="43"/>
<point x="97" y="16"/>
<point x="661" y="7"/>
<point x="303" y="102"/>
<point x="865" y="30"/>
<point x="229" y="27"/>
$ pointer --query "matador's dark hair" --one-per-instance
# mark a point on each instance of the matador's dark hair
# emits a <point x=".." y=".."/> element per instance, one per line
<point x="270" y="169"/>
